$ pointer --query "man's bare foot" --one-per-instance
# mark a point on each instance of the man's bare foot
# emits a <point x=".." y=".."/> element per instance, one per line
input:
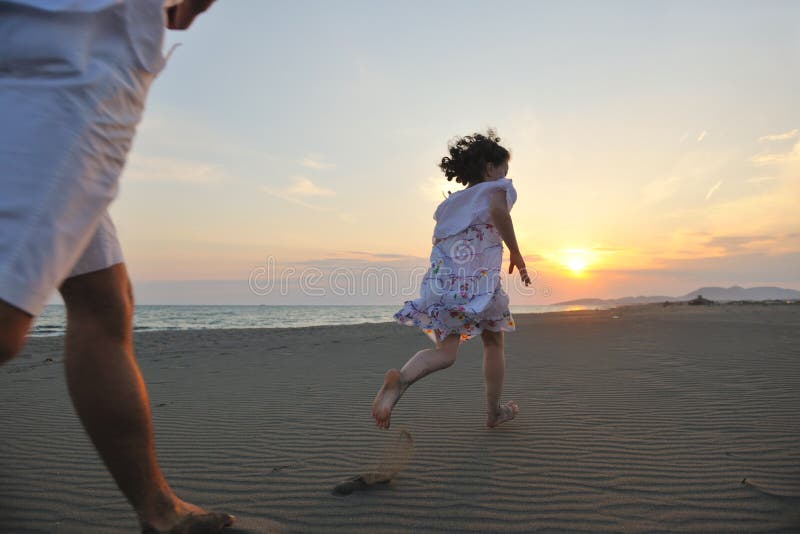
<point x="506" y="412"/>
<point x="188" y="519"/>
<point x="386" y="398"/>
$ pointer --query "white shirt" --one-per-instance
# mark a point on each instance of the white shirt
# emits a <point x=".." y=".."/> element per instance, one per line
<point x="469" y="206"/>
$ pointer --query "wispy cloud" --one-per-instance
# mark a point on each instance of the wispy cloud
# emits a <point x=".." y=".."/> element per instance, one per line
<point x="791" y="134"/>
<point x="168" y="132"/>
<point x="738" y="243"/>
<point x="380" y="255"/>
<point x="773" y="158"/>
<point x="304" y="187"/>
<point x="300" y="188"/>
<point x="760" y="179"/>
<point x="688" y="173"/>
<point x="701" y="136"/>
<point x="316" y="162"/>
<point x="359" y="259"/>
<point x="713" y="189"/>
<point x="163" y="169"/>
<point x="660" y="189"/>
<point x="289" y="198"/>
<point x="436" y="188"/>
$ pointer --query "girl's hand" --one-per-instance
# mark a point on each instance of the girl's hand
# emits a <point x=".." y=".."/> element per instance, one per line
<point x="519" y="262"/>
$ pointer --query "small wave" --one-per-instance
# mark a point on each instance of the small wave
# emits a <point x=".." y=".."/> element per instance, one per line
<point x="46" y="333"/>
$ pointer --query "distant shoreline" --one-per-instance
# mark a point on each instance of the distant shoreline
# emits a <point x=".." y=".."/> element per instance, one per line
<point x="168" y="318"/>
<point x="50" y="330"/>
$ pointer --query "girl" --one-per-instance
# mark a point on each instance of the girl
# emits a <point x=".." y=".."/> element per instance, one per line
<point x="461" y="294"/>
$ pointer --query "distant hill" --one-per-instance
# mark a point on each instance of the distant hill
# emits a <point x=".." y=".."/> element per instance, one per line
<point x="719" y="294"/>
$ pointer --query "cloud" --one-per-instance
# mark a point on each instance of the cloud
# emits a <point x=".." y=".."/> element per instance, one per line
<point x="701" y="136"/>
<point x="162" y="169"/>
<point x="289" y="198"/>
<point x="659" y="189"/>
<point x="791" y="134"/>
<point x="380" y="255"/>
<point x="435" y="188"/>
<point x="746" y="269"/>
<point x="752" y="268"/>
<point x="304" y="187"/>
<point x="315" y="162"/>
<point x="713" y="189"/>
<point x="680" y="181"/>
<point x="760" y="179"/>
<point x="738" y="243"/>
<point x="300" y="188"/>
<point x="167" y="132"/>
<point x="774" y="158"/>
<point x="354" y="258"/>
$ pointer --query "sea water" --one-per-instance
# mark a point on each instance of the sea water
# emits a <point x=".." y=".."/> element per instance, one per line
<point x="162" y="317"/>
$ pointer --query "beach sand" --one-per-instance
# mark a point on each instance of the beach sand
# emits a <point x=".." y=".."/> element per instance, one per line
<point x="633" y="419"/>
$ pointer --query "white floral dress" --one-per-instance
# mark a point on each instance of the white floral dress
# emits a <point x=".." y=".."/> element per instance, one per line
<point x="461" y="291"/>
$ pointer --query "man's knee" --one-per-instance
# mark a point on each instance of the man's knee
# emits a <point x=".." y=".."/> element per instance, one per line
<point x="10" y="345"/>
<point x="14" y="326"/>
<point x="103" y="299"/>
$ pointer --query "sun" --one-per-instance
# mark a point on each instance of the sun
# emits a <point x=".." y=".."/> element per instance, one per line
<point x="576" y="265"/>
<point x="576" y="260"/>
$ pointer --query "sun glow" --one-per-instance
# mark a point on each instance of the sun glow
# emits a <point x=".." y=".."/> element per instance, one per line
<point x="576" y="265"/>
<point x="575" y="260"/>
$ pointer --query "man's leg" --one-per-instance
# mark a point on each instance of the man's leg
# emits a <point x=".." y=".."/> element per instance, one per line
<point x="14" y="325"/>
<point x="110" y="397"/>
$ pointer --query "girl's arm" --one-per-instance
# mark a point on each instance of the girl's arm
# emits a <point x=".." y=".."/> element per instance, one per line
<point x="498" y="210"/>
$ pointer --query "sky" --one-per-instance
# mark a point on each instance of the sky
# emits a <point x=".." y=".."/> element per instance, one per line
<point x="655" y="147"/>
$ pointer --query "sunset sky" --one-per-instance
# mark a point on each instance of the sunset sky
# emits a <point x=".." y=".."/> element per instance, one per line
<point x="655" y="145"/>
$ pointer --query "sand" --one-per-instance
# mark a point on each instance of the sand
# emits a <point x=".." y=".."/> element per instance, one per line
<point x="636" y="419"/>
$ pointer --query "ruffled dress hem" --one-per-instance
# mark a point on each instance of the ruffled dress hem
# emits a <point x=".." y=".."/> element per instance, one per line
<point x="458" y="320"/>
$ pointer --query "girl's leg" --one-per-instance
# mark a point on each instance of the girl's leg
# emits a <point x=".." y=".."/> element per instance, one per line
<point x="396" y="382"/>
<point x="494" y="368"/>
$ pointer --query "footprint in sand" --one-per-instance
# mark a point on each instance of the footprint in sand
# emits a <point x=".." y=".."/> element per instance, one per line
<point x="394" y="459"/>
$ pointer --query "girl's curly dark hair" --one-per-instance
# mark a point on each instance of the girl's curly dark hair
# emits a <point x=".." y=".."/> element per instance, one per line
<point x="469" y="156"/>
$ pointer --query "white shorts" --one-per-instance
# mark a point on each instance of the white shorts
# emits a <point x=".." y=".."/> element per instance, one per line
<point x="72" y="90"/>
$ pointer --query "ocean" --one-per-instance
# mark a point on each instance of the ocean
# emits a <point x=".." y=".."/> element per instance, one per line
<point x="52" y="321"/>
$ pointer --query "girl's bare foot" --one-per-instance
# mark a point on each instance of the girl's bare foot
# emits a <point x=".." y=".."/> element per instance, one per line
<point x="506" y="412"/>
<point x="188" y="519"/>
<point x="386" y="398"/>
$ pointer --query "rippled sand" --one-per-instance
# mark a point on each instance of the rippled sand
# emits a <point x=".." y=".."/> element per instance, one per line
<point x="661" y="419"/>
